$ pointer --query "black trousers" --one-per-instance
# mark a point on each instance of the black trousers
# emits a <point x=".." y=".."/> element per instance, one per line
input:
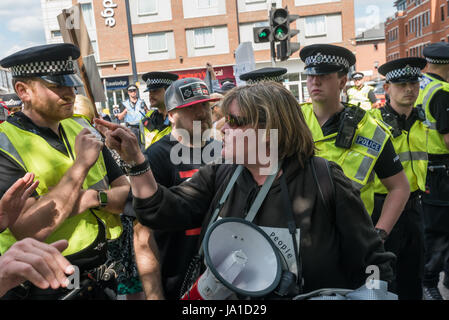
<point x="406" y="242"/>
<point x="436" y="237"/>
<point x="436" y="225"/>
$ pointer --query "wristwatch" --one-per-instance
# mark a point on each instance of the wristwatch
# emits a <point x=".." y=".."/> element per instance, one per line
<point x="102" y="199"/>
<point x="382" y="233"/>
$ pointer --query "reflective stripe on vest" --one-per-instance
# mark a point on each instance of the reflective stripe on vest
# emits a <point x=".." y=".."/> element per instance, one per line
<point x="358" y="161"/>
<point x="357" y="97"/>
<point x="436" y="144"/>
<point x="49" y="166"/>
<point x="411" y="147"/>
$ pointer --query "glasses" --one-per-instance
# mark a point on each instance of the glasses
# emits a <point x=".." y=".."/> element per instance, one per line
<point x="235" y="121"/>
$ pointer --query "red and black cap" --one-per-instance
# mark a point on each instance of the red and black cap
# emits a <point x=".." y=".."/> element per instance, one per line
<point x="186" y="92"/>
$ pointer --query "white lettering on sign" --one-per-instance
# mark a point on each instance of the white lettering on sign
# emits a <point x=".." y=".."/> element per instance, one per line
<point x="108" y="12"/>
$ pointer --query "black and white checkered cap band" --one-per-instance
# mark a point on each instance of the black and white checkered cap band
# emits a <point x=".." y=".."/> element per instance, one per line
<point x="275" y="79"/>
<point x="326" y="59"/>
<point x="407" y="71"/>
<point x="43" y="68"/>
<point x="152" y="82"/>
<point x="437" y="61"/>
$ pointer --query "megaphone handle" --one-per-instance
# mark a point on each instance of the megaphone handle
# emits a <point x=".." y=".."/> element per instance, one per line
<point x="223" y="199"/>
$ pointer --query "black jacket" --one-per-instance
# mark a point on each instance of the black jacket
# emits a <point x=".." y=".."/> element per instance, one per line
<point x="335" y="248"/>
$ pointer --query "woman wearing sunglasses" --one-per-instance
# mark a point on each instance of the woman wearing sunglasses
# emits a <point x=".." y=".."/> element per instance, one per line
<point x="267" y="142"/>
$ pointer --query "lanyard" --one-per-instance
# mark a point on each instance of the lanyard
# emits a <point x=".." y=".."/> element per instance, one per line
<point x="257" y="202"/>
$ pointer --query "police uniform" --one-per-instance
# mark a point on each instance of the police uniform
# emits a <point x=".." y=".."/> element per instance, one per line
<point x="27" y="147"/>
<point x="264" y="74"/>
<point x="409" y="137"/>
<point x="364" y="96"/>
<point x="434" y="97"/>
<point x="352" y="138"/>
<point x="155" y="125"/>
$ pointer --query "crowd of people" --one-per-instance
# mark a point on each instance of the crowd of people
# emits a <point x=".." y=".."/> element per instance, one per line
<point x="338" y="187"/>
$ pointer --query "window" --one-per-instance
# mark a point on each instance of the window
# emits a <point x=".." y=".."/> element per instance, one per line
<point x="255" y="1"/>
<point x="147" y="7"/>
<point x="157" y="42"/>
<point x="56" y="33"/>
<point x="88" y="15"/>
<point x="442" y="13"/>
<point x="447" y="8"/>
<point x="315" y="26"/>
<point x="205" y="4"/>
<point x="204" y="38"/>
<point x="406" y="30"/>
<point x="95" y="48"/>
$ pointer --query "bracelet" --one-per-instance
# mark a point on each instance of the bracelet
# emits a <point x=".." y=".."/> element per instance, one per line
<point x="139" y="169"/>
<point x="382" y="233"/>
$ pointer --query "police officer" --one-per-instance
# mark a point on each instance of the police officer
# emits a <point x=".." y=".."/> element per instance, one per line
<point x="80" y="186"/>
<point x="263" y="74"/>
<point x="409" y="137"/>
<point x="134" y="107"/>
<point x="434" y="97"/>
<point x="349" y="136"/>
<point x="361" y="94"/>
<point x="156" y="122"/>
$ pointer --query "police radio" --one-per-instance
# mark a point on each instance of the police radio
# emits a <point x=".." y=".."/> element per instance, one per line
<point x="348" y="126"/>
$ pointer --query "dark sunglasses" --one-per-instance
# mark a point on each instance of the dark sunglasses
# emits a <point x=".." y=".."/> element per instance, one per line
<point x="235" y="121"/>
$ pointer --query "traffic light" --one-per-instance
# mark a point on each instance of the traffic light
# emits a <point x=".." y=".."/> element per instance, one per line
<point x="261" y="34"/>
<point x="280" y="21"/>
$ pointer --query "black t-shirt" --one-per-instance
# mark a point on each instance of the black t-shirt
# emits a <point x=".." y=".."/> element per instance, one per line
<point x="388" y="163"/>
<point x="10" y="171"/>
<point x="439" y="108"/>
<point x="176" y="248"/>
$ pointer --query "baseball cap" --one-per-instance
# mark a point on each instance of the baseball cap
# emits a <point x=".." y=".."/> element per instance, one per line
<point x="186" y="92"/>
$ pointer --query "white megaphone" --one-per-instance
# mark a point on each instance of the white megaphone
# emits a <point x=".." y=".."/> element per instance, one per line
<point x="240" y="258"/>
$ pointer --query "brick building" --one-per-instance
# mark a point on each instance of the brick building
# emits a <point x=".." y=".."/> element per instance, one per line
<point x="181" y="36"/>
<point x="371" y="51"/>
<point x="416" y="24"/>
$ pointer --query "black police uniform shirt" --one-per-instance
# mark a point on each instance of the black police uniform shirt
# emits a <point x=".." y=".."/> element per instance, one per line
<point x="10" y="171"/>
<point x="387" y="165"/>
<point x="176" y="248"/>
<point x="439" y="108"/>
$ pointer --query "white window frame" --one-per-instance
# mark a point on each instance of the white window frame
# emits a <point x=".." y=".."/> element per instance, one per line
<point x="147" y="13"/>
<point x="255" y="1"/>
<point x="158" y="50"/>
<point x="198" y="5"/>
<point x="52" y="34"/>
<point x="315" y="35"/>
<point x="212" y="45"/>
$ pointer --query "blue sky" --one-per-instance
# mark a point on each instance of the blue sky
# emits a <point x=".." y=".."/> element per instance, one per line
<point x="21" y="21"/>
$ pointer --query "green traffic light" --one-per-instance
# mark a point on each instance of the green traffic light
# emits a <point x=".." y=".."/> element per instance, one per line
<point x="263" y="34"/>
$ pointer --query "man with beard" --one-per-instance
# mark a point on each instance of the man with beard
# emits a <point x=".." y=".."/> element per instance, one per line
<point x="81" y="190"/>
<point x="174" y="159"/>
<point x="156" y="125"/>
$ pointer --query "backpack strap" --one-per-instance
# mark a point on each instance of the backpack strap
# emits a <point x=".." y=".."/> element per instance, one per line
<point x="323" y="178"/>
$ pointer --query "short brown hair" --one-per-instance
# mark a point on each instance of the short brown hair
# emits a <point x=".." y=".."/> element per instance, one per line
<point x="271" y="105"/>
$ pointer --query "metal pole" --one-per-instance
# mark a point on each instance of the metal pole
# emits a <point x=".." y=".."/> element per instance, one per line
<point x="131" y="41"/>
<point x="238" y="21"/>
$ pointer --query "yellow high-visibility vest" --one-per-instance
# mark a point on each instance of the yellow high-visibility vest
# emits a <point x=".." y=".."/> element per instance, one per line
<point x="154" y="135"/>
<point x="34" y="154"/>
<point x="429" y="86"/>
<point x="358" y="161"/>
<point x="356" y="97"/>
<point x="411" y="148"/>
